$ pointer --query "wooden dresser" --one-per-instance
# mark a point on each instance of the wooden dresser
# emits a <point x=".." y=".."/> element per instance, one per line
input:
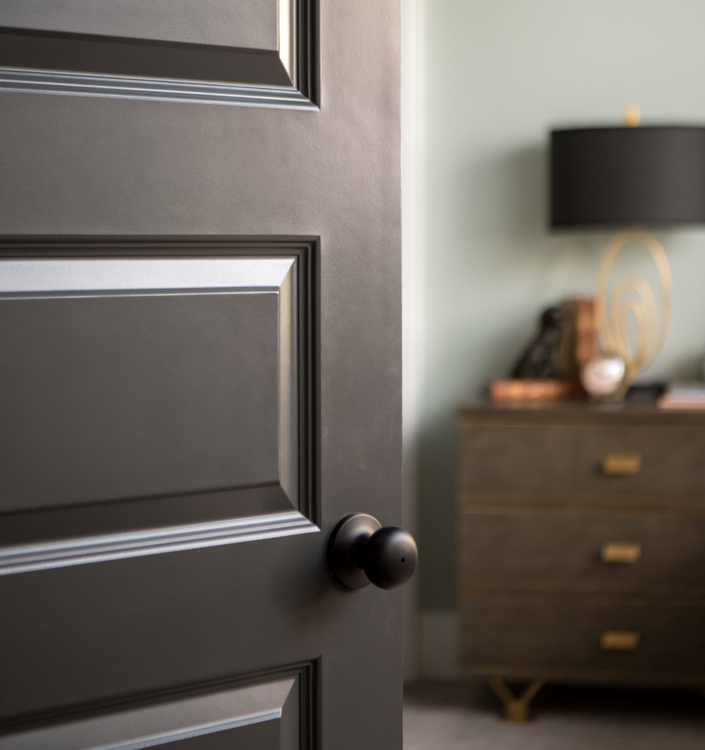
<point x="581" y="545"/>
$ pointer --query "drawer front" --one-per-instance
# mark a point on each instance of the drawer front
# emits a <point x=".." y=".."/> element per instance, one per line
<point x="569" y="639"/>
<point x="592" y="459"/>
<point x="543" y="551"/>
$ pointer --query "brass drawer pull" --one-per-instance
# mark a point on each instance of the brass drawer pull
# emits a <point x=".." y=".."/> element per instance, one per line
<point x="621" y="552"/>
<point x="620" y="640"/>
<point x="621" y="464"/>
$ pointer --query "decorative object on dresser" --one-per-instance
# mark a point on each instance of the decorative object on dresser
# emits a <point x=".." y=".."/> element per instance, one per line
<point x="581" y="532"/>
<point x="547" y="370"/>
<point x="543" y="357"/>
<point x="604" y="377"/>
<point x="683" y="396"/>
<point x="579" y="337"/>
<point x="528" y="391"/>
<point x="622" y="177"/>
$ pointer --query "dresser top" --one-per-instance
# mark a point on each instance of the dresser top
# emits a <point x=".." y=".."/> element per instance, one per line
<point x="578" y="412"/>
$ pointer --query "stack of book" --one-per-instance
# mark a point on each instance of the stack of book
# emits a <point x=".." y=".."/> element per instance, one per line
<point x="683" y="396"/>
<point x="579" y="337"/>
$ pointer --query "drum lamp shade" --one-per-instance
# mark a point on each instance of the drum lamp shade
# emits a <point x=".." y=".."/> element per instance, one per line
<point x="650" y="176"/>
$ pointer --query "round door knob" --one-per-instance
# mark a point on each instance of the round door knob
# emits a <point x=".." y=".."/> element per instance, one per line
<point x="361" y="552"/>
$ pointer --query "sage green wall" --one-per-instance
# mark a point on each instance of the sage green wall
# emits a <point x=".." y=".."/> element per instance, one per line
<point x="500" y="74"/>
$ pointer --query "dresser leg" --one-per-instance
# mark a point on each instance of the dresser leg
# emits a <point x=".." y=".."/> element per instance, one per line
<point x="516" y="708"/>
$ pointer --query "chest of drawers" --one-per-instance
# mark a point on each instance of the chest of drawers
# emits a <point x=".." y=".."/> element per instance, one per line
<point x="581" y="545"/>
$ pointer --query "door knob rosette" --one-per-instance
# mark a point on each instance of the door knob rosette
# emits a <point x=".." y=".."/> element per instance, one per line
<point x="361" y="551"/>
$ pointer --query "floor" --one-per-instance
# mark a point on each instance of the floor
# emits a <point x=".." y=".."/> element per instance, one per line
<point x="459" y="714"/>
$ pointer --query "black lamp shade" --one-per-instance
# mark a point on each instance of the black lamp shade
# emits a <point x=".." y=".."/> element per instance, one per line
<point x="621" y="176"/>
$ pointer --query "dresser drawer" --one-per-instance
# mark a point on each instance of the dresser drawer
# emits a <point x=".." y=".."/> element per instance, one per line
<point x="604" y="460"/>
<point x="544" y="551"/>
<point x="583" y="640"/>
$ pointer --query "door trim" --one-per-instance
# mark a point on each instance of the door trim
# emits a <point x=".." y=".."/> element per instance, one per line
<point x="306" y="676"/>
<point x="97" y="541"/>
<point x="287" y="78"/>
<point x="26" y="558"/>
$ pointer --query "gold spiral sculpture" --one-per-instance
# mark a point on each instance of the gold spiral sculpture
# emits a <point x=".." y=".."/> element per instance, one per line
<point x="633" y="298"/>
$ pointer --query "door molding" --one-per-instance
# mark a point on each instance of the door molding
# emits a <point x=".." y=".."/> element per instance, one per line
<point x="286" y="695"/>
<point x="74" y="534"/>
<point x="25" y="558"/>
<point x="79" y="64"/>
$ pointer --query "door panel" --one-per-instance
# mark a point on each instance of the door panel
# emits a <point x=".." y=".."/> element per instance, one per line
<point x="248" y="52"/>
<point x="133" y="421"/>
<point x="135" y="384"/>
<point x="119" y="632"/>
<point x="248" y="24"/>
<point x="265" y="715"/>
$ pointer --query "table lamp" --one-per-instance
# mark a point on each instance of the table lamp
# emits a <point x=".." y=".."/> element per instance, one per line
<point x="629" y="178"/>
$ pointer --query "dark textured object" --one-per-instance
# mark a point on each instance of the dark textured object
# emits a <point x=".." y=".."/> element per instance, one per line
<point x="646" y="393"/>
<point x="543" y="358"/>
<point x="361" y="552"/>
<point x="627" y="175"/>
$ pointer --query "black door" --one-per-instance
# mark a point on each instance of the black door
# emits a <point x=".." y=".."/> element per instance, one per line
<point x="199" y="371"/>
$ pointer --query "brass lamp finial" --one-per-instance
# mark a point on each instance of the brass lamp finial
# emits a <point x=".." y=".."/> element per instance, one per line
<point x="632" y="116"/>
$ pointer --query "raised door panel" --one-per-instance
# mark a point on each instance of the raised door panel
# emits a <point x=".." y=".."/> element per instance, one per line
<point x="202" y="22"/>
<point x="135" y="384"/>
<point x="134" y="422"/>
<point x="266" y="715"/>
<point x="242" y="52"/>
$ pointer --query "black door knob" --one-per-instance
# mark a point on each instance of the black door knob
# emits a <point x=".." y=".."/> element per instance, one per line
<point x="361" y="552"/>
